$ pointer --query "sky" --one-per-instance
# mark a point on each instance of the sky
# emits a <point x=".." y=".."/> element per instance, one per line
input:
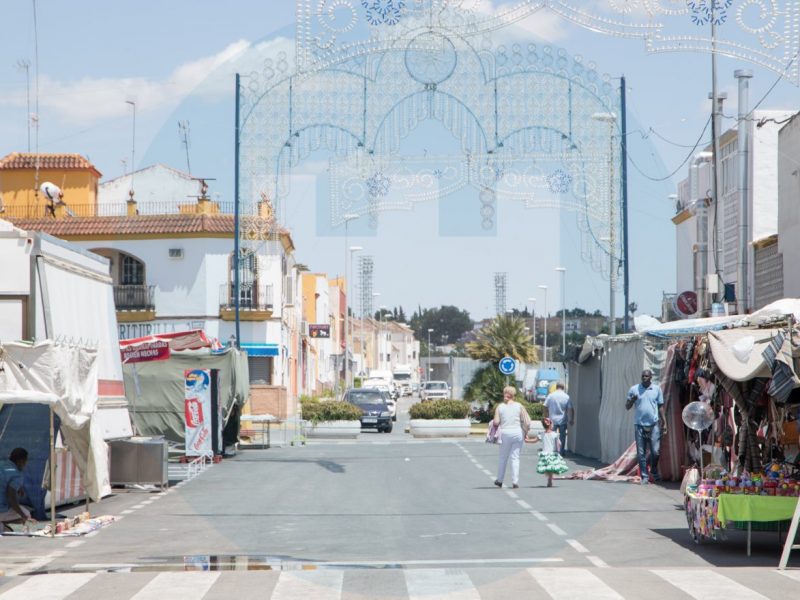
<point x="176" y="61"/>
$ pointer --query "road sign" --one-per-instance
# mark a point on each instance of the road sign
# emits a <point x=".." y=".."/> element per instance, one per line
<point x="507" y="365"/>
<point x="686" y="303"/>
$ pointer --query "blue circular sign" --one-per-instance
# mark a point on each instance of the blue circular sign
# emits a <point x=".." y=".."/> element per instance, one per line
<point x="507" y="365"/>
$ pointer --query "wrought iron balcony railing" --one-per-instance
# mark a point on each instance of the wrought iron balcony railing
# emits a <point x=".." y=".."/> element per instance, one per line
<point x="251" y="297"/>
<point x="134" y="297"/>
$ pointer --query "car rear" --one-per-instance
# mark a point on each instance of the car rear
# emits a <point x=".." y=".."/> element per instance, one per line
<point x="375" y="413"/>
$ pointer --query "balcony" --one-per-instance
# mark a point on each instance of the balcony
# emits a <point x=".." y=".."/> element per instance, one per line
<point x="255" y="302"/>
<point x="134" y="302"/>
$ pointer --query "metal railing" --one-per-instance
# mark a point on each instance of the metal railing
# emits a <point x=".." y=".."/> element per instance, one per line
<point x="111" y="209"/>
<point x="134" y="297"/>
<point x="251" y="297"/>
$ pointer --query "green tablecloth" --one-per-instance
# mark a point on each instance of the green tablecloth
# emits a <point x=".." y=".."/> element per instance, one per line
<point x="742" y="507"/>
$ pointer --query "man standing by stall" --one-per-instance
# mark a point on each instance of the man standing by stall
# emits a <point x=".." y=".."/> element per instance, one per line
<point x="649" y="423"/>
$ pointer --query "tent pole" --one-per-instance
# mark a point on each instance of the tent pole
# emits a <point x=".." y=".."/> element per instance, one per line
<point x="52" y="475"/>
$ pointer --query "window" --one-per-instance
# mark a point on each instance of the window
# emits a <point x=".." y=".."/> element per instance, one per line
<point x="132" y="271"/>
<point x="260" y="369"/>
<point x="248" y="278"/>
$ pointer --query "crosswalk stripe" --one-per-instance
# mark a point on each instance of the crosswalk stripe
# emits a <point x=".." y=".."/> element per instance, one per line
<point x="186" y="585"/>
<point x="309" y="585"/>
<point x="442" y="584"/>
<point x="48" y="587"/>
<point x="790" y="574"/>
<point x="705" y="584"/>
<point x="571" y="584"/>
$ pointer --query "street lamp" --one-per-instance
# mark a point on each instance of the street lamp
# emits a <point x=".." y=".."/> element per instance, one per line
<point x="347" y="218"/>
<point x="428" y="377"/>
<point x="348" y="331"/>
<point x="376" y="295"/>
<point x="563" y="272"/>
<point x="544" y="288"/>
<point x="611" y="119"/>
<point x="380" y="340"/>
<point x="533" y="318"/>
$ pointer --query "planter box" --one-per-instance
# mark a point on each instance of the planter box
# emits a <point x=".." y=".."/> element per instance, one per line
<point x="332" y="430"/>
<point x="428" y="428"/>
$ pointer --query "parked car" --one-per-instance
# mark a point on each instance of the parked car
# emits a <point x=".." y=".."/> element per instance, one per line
<point x="432" y="390"/>
<point x="414" y="387"/>
<point x="372" y="384"/>
<point x="375" y="412"/>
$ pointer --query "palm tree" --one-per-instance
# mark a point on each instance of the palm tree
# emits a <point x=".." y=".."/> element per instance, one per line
<point x="505" y="336"/>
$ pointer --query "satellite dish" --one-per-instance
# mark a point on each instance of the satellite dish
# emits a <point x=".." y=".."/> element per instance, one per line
<point x="52" y="192"/>
<point x="697" y="415"/>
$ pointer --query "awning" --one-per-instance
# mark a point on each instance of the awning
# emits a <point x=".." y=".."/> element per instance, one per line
<point x="261" y="349"/>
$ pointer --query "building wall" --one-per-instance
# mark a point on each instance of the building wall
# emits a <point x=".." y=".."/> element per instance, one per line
<point x="768" y="274"/>
<point x="157" y="185"/>
<point x="789" y="206"/>
<point x="18" y="188"/>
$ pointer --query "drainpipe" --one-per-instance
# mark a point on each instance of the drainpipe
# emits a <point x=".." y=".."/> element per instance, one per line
<point x="701" y="255"/>
<point x="743" y="141"/>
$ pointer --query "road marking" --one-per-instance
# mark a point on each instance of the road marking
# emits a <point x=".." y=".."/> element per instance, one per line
<point x="578" y="546"/>
<point x="597" y="561"/>
<point x="442" y="562"/>
<point x="314" y="585"/>
<point x="126" y="512"/>
<point x="512" y="494"/>
<point x="706" y="584"/>
<point x="790" y="574"/>
<point x="48" y="587"/>
<point x="35" y="562"/>
<point x="92" y="533"/>
<point x="556" y="529"/>
<point x="136" y="506"/>
<point x="538" y="515"/>
<point x="76" y="543"/>
<point x="177" y="585"/>
<point x="524" y="504"/>
<point x="488" y="472"/>
<point x="432" y="535"/>
<point x="565" y="583"/>
<point x="444" y="584"/>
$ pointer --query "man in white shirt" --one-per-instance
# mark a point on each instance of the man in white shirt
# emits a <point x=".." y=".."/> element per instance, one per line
<point x="558" y="408"/>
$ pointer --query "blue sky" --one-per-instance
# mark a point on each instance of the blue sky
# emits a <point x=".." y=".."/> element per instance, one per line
<point x="175" y="60"/>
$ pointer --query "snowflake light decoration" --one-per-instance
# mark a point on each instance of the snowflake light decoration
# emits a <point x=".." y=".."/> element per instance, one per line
<point x="383" y="12"/>
<point x="701" y="11"/>
<point x="559" y="181"/>
<point x="378" y="185"/>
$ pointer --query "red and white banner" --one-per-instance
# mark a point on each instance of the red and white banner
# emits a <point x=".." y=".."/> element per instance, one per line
<point x="197" y="399"/>
<point x="155" y="350"/>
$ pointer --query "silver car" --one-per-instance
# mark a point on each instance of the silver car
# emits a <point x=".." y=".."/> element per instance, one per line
<point x="434" y="390"/>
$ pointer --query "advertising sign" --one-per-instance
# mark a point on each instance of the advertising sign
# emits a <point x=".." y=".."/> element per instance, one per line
<point x="197" y="408"/>
<point x="319" y="331"/>
<point x="686" y="304"/>
<point x="155" y="350"/>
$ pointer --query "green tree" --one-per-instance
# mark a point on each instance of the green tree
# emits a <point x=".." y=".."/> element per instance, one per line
<point x="449" y="323"/>
<point x="505" y="336"/>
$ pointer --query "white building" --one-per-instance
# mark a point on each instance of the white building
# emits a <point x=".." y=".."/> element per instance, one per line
<point x="789" y="206"/>
<point x="722" y="221"/>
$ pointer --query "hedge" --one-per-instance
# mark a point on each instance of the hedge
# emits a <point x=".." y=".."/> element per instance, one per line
<point x="440" y="409"/>
<point x="316" y="411"/>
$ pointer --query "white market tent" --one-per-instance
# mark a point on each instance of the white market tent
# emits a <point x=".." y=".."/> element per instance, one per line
<point x="64" y="378"/>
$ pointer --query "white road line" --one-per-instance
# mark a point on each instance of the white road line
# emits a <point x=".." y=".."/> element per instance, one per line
<point x="556" y="529"/>
<point x="92" y="533"/>
<point x="538" y="515"/>
<point x="565" y="583"/>
<point x="188" y="585"/>
<point x="313" y="585"/>
<point x="147" y="502"/>
<point x="512" y="494"/>
<point x="597" y="561"/>
<point x="138" y="506"/>
<point x="524" y="504"/>
<point x="442" y="562"/>
<point x="488" y="472"/>
<point x="706" y="584"/>
<point x="48" y="587"/>
<point x="578" y="546"/>
<point x="126" y="512"/>
<point x="443" y="584"/>
<point x="76" y="543"/>
<point x="36" y="562"/>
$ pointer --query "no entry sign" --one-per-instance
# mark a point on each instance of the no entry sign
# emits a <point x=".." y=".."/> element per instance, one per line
<point x="686" y="303"/>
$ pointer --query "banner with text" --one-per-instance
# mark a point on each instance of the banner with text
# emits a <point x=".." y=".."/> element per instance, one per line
<point x="197" y="395"/>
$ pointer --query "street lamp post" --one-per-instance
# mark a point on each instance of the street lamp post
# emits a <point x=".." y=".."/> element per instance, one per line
<point x="544" y="288"/>
<point x="563" y="272"/>
<point x="428" y="370"/>
<point x="376" y="295"/>
<point x="380" y="340"/>
<point x="347" y="218"/>
<point x="348" y="331"/>
<point x="611" y="119"/>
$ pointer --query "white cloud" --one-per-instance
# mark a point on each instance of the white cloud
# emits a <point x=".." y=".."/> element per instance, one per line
<point x="87" y="101"/>
<point x="543" y="24"/>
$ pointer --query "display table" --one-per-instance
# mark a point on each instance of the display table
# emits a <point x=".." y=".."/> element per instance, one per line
<point x="707" y="516"/>
<point x="266" y="421"/>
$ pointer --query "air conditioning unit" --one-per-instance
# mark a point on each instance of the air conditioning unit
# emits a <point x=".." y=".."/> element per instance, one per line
<point x="176" y="252"/>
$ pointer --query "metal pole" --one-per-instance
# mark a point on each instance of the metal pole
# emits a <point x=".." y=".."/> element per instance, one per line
<point x="716" y="110"/>
<point x="237" y="167"/>
<point x="347" y="301"/>
<point x="743" y="140"/>
<point x="563" y="272"/>
<point x="52" y="475"/>
<point x="624" y="175"/>
<point x="612" y="235"/>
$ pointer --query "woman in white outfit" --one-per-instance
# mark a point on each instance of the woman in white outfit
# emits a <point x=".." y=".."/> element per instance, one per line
<point x="510" y="419"/>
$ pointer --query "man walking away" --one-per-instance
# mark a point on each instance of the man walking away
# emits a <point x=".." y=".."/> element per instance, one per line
<point x="558" y="408"/>
<point x="649" y="423"/>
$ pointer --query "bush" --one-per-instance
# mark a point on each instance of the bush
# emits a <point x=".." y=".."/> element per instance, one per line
<point x="482" y="414"/>
<point x="535" y="409"/>
<point x="317" y="411"/>
<point x="440" y="409"/>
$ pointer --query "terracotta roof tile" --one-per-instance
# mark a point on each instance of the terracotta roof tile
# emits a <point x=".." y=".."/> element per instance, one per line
<point x="25" y="160"/>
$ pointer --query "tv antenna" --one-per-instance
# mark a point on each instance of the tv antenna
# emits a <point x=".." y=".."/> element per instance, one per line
<point x="183" y="132"/>
<point x="203" y="187"/>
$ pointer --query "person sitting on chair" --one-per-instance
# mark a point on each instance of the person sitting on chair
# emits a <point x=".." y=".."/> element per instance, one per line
<point x="12" y="489"/>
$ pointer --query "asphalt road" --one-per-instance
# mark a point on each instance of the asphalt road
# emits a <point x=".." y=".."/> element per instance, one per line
<point x="389" y="516"/>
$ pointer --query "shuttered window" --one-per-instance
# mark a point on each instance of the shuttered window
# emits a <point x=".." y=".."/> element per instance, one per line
<point x="260" y="369"/>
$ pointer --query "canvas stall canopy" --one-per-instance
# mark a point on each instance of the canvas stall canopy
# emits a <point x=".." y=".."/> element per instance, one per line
<point x="64" y="378"/>
<point x="155" y="389"/>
